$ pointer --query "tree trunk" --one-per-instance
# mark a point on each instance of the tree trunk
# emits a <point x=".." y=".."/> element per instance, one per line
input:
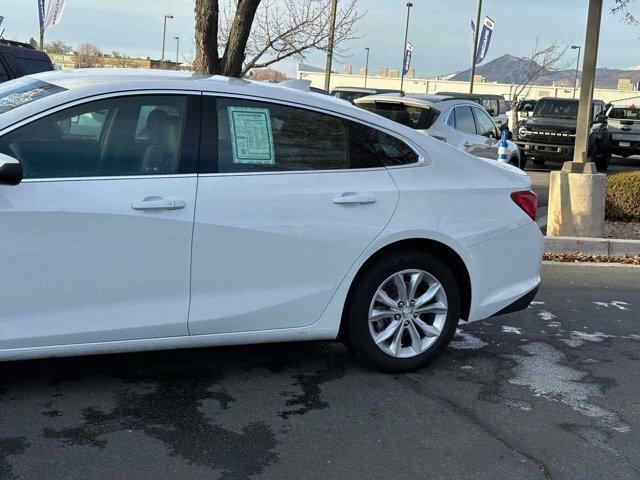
<point x="206" y="37"/>
<point x="234" y="54"/>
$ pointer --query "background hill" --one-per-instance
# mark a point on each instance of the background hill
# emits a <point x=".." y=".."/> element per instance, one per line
<point x="510" y="69"/>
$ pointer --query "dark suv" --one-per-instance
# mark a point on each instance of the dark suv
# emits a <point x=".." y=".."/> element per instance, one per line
<point x="550" y="133"/>
<point x="19" y="59"/>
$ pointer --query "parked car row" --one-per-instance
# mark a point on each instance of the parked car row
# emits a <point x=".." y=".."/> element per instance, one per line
<point x="313" y="219"/>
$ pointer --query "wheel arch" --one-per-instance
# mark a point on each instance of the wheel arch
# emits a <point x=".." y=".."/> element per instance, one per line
<point x="441" y="250"/>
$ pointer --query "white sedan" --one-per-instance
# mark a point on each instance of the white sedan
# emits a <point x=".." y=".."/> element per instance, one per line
<point x="145" y="210"/>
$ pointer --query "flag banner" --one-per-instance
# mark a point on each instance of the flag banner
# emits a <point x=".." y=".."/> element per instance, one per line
<point x="1" y="19"/>
<point x="407" y="59"/>
<point x="484" y="40"/>
<point x="41" y="14"/>
<point x="54" y="13"/>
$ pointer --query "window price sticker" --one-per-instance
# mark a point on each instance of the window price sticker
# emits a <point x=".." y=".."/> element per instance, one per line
<point x="251" y="136"/>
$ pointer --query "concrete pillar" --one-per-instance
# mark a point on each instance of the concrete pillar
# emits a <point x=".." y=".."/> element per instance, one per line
<point x="576" y="204"/>
<point x="577" y="193"/>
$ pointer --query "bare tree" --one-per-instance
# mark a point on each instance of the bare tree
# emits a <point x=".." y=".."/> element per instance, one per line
<point x="87" y="55"/>
<point x="259" y="33"/>
<point x="543" y="61"/>
<point x="622" y="8"/>
<point x="57" y="46"/>
<point x="121" y="61"/>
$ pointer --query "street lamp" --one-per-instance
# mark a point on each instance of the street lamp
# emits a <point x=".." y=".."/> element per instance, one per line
<point x="366" y="67"/>
<point x="575" y="81"/>
<point x="164" y="37"/>
<point x="177" y="39"/>
<point x="404" y="47"/>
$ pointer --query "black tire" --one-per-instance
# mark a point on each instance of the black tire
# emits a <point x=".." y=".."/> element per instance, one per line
<point x="360" y="340"/>
<point x="602" y="160"/>
<point x="538" y="161"/>
<point x="523" y="161"/>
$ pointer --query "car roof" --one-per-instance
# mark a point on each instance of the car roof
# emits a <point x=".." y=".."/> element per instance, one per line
<point x="417" y="99"/>
<point x="86" y="83"/>
<point x="595" y="100"/>
<point x="371" y="90"/>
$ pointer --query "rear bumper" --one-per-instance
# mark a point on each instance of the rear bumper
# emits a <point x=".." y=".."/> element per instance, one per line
<point x="520" y="304"/>
<point x="504" y="271"/>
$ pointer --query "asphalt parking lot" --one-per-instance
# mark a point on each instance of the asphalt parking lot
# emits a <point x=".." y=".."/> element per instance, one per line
<point x="550" y="392"/>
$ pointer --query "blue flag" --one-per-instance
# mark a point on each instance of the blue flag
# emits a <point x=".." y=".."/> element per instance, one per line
<point x="484" y="40"/>
<point x="407" y="58"/>
<point x="41" y="14"/>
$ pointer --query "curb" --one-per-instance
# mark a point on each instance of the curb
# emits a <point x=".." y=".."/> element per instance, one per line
<point x="610" y="247"/>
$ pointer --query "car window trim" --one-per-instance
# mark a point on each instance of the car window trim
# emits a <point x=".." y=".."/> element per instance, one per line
<point x="190" y="121"/>
<point x="423" y="157"/>
<point x="471" y="107"/>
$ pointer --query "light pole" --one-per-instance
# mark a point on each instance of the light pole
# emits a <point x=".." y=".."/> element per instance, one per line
<point x="366" y="67"/>
<point x="332" y="33"/>
<point x="164" y="37"/>
<point x="575" y="81"/>
<point x="404" y="47"/>
<point x="177" y="39"/>
<point x="476" y="36"/>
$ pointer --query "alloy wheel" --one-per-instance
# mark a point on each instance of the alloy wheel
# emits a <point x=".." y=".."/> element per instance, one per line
<point x="408" y="313"/>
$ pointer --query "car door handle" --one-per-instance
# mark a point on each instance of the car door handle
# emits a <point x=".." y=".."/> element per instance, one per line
<point x="359" y="198"/>
<point x="158" y="204"/>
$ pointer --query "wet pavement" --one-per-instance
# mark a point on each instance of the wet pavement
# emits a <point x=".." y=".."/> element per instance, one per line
<point x="550" y="392"/>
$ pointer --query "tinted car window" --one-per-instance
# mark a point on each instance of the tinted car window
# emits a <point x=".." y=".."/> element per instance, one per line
<point x="369" y="147"/>
<point x="420" y="118"/>
<point x="258" y="136"/>
<point x="464" y="120"/>
<point x="4" y="74"/>
<point x="630" y="113"/>
<point x="28" y="66"/>
<point x="484" y="124"/>
<point x="101" y="139"/>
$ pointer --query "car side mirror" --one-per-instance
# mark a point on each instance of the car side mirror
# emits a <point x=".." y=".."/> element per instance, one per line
<point x="10" y="170"/>
<point x="506" y="129"/>
<point x="601" y="118"/>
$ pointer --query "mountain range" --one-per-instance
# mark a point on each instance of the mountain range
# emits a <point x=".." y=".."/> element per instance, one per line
<point x="510" y="69"/>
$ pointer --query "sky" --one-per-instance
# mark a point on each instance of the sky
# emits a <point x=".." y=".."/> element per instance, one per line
<point x="439" y="30"/>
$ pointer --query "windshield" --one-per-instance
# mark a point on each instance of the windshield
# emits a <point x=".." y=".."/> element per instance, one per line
<point x="16" y="93"/>
<point x="557" y="108"/>
<point x="420" y="118"/>
<point x="630" y="113"/>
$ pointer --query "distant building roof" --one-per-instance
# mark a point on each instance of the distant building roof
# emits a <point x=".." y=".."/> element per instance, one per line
<point x="308" y="68"/>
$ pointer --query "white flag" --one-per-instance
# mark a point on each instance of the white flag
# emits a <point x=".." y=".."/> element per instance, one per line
<point x="54" y="13"/>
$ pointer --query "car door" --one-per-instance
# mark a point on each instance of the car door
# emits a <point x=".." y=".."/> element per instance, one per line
<point x="487" y="135"/>
<point x="294" y="197"/>
<point x="97" y="237"/>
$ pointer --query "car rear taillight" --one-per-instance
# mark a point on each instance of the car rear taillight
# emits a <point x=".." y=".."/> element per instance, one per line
<point x="527" y="201"/>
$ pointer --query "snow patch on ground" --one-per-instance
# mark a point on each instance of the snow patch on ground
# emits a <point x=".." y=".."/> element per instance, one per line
<point x="554" y="324"/>
<point x="619" y="304"/>
<point x="465" y="341"/>
<point x="577" y="339"/>
<point x="541" y="371"/>
<point x="508" y="329"/>
<point x="546" y="316"/>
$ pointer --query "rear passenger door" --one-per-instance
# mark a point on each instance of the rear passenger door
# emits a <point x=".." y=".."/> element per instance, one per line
<point x="464" y="122"/>
<point x="288" y="199"/>
<point x="97" y="237"/>
<point x="487" y="143"/>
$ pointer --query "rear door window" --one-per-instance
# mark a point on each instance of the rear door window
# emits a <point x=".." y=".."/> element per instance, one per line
<point x="464" y="120"/>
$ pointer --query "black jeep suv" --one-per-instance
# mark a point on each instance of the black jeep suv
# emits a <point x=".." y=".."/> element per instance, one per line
<point x="550" y="133"/>
<point x="19" y="59"/>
